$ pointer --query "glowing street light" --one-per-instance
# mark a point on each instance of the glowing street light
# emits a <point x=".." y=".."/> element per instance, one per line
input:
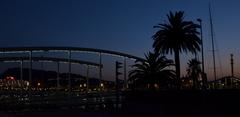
<point x="101" y="84"/>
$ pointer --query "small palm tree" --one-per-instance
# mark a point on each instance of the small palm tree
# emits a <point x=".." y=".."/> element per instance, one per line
<point x="194" y="71"/>
<point x="176" y="36"/>
<point x="152" y="71"/>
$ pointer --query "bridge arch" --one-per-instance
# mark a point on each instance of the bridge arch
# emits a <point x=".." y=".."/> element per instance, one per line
<point x="69" y="51"/>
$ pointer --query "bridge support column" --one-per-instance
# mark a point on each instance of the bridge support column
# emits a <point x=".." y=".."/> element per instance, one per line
<point x="21" y="71"/>
<point x="30" y="69"/>
<point x="69" y="71"/>
<point x="21" y="78"/>
<point x="30" y="75"/>
<point x="58" y="85"/>
<point x="100" y="71"/>
<point x="87" y="79"/>
<point x="125" y="73"/>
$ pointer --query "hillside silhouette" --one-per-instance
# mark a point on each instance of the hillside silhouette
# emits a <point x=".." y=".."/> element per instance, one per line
<point x="49" y="78"/>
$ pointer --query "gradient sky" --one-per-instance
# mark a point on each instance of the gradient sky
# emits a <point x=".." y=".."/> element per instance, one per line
<point x="119" y="25"/>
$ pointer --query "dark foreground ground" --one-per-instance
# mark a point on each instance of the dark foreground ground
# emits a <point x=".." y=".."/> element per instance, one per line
<point x="218" y="103"/>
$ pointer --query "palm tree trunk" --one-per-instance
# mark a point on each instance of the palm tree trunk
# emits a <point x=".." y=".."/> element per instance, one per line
<point x="194" y="77"/>
<point x="177" y="64"/>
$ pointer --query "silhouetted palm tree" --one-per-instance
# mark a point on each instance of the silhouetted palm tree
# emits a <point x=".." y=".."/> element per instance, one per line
<point x="176" y="36"/>
<point x="194" y="71"/>
<point x="152" y="71"/>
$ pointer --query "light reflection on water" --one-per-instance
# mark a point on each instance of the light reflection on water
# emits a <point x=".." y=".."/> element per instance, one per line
<point x="93" y="101"/>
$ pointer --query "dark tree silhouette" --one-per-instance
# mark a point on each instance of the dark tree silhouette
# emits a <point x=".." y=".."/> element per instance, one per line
<point x="194" y="72"/>
<point x="177" y="36"/>
<point x="152" y="71"/>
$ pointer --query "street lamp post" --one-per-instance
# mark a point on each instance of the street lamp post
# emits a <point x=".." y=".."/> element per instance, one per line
<point x="200" y="21"/>
<point x="204" y="77"/>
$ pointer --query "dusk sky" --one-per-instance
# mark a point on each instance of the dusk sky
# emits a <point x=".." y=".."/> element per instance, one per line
<point x="118" y="25"/>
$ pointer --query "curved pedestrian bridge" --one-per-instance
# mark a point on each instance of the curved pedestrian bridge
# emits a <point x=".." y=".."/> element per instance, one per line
<point x="82" y="95"/>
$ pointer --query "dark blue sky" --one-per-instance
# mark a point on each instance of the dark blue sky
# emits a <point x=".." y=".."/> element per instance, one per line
<point x="120" y="25"/>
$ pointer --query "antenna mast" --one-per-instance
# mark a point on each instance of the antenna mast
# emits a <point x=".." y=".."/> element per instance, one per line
<point x="213" y="49"/>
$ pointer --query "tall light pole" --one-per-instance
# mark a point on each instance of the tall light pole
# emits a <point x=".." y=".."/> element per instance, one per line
<point x="232" y="69"/>
<point x="204" y="76"/>
<point x="200" y="21"/>
<point x="232" y="65"/>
